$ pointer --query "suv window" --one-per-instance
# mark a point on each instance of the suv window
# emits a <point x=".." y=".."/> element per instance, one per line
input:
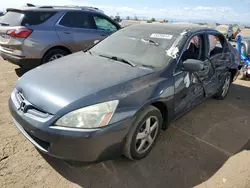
<point x="76" y="20"/>
<point x="36" y="18"/>
<point x="14" y="18"/>
<point x="104" y="24"/>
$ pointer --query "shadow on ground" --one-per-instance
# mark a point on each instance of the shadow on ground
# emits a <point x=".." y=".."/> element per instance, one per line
<point x="21" y="71"/>
<point x="188" y="153"/>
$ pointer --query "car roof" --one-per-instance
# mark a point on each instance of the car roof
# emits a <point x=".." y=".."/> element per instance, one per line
<point x="57" y="8"/>
<point x="173" y="27"/>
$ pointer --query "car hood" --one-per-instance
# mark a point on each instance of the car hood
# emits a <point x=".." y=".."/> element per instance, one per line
<point x="53" y="86"/>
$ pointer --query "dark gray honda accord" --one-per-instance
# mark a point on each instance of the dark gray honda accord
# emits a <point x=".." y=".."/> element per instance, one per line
<point x="116" y="97"/>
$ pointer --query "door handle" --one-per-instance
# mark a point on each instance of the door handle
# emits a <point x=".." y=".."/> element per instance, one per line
<point x="67" y="32"/>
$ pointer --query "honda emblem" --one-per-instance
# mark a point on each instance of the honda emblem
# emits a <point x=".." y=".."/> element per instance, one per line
<point x="22" y="107"/>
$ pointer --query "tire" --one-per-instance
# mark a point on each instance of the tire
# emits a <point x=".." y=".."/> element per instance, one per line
<point x="223" y="91"/>
<point x="133" y="149"/>
<point x="54" y="52"/>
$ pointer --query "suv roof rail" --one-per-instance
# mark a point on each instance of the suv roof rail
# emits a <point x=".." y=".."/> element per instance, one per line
<point x="73" y="7"/>
<point x="66" y="6"/>
<point x="46" y="7"/>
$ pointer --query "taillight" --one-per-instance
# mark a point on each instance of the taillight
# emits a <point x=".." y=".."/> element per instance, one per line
<point x="248" y="67"/>
<point x="19" y="33"/>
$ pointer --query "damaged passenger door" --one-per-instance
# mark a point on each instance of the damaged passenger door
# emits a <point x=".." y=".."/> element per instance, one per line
<point x="189" y="90"/>
<point x="219" y="56"/>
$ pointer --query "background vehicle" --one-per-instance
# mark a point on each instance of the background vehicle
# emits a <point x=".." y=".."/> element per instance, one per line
<point x="32" y="35"/>
<point x="116" y="97"/>
<point x="245" y="42"/>
<point x="243" y="45"/>
<point x="226" y="30"/>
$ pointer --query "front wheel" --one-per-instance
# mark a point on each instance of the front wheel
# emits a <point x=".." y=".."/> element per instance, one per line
<point x="143" y="134"/>
<point x="223" y="91"/>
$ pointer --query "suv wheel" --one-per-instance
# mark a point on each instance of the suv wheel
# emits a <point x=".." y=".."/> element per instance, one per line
<point x="53" y="55"/>
<point x="143" y="134"/>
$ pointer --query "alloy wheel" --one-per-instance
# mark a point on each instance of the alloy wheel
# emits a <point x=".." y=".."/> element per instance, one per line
<point x="146" y="134"/>
<point x="226" y="86"/>
<point x="56" y="56"/>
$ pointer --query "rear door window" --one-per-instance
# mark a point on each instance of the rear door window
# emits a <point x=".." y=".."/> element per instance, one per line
<point x="76" y="20"/>
<point x="16" y="18"/>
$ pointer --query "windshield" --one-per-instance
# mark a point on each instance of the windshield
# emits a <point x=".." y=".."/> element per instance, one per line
<point x="141" y="45"/>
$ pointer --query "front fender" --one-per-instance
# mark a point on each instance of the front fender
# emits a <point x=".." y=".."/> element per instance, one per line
<point x="160" y="90"/>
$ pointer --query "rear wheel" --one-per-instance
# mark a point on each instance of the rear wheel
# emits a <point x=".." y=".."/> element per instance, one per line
<point x="53" y="55"/>
<point x="223" y="91"/>
<point x="143" y="134"/>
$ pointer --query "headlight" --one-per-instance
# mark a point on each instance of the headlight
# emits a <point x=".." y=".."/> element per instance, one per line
<point x="94" y="116"/>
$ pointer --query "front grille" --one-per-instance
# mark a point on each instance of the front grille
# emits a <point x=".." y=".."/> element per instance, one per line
<point x="31" y="109"/>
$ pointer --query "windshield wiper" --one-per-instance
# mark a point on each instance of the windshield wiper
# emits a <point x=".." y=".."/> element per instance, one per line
<point x="4" y="24"/>
<point x="148" y="66"/>
<point x="118" y="59"/>
<point x="150" y="41"/>
<point x="87" y="51"/>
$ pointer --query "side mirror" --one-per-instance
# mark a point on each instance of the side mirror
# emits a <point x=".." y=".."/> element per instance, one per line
<point x="193" y="65"/>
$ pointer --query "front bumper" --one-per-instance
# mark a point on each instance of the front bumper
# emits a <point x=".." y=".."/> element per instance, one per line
<point x="22" y="62"/>
<point x="73" y="144"/>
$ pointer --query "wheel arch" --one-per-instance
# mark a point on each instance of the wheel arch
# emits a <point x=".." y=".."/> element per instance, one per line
<point x="233" y="73"/>
<point x="57" y="47"/>
<point x="163" y="107"/>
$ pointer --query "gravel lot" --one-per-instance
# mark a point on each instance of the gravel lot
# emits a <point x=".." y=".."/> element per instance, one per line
<point x="192" y="150"/>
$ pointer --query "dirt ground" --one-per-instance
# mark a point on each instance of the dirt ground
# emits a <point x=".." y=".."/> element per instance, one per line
<point x="198" y="149"/>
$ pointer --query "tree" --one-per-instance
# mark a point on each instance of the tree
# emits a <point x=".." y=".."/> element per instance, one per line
<point x="153" y="20"/>
<point x="128" y="18"/>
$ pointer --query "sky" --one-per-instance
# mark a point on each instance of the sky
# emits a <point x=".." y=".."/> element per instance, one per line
<point x="207" y="10"/>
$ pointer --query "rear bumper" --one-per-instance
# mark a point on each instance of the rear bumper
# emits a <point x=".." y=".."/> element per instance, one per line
<point x="22" y="62"/>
